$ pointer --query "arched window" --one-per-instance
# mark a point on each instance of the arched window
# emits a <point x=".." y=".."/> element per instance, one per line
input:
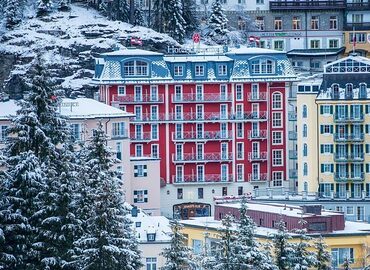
<point x="305" y="169"/>
<point x="363" y="91"/>
<point x="304" y="131"/>
<point x="305" y="150"/>
<point x="135" y="68"/>
<point x="304" y="111"/>
<point x="277" y="100"/>
<point x="305" y="187"/>
<point x="349" y="88"/>
<point x="335" y="89"/>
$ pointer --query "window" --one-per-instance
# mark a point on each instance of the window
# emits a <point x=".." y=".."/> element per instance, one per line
<point x="359" y="37"/>
<point x="262" y="66"/>
<point x="153" y="93"/>
<point x="350" y="210"/>
<point x="277" y="101"/>
<point x="305" y="149"/>
<point x="121" y="90"/>
<point x="150" y="237"/>
<point x="119" y="150"/>
<point x="339" y="255"/>
<point x="154" y="112"/>
<point x="239" y="92"/>
<point x="239" y="150"/>
<point x="179" y="193"/>
<point x="240" y="191"/>
<point x="333" y="23"/>
<point x="154" y="131"/>
<point x="357" y="18"/>
<point x="277" y="179"/>
<point x="314" y="44"/>
<point x="277" y="137"/>
<point x="138" y="112"/>
<point x="326" y="109"/>
<point x="199" y="70"/>
<point x="138" y="224"/>
<point x="279" y="45"/>
<point x="304" y="131"/>
<point x="304" y="111"/>
<point x="305" y="169"/>
<point x="140" y="196"/>
<point x="240" y="172"/>
<point x="333" y="43"/>
<point x="151" y="263"/>
<point x="296" y="21"/>
<point x="178" y="70"/>
<point x="239" y="130"/>
<point x="139" y="150"/>
<point x="260" y="2"/>
<point x="222" y="70"/>
<point x="119" y="129"/>
<point x="140" y="170"/>
<point x="197" y="246"/>
<point x="276" y="119"/>
<point x="314" y="22"/>
<point x="224" y="191"/>
<point x="260" y="23"/>
<point x="135" y="68"/>
<point x="155" y="151"/>
<point x="200" y="193"/>
<point x="74" y="128"/>
<point x="277" y="157"/>
<point x="278" y="23"/>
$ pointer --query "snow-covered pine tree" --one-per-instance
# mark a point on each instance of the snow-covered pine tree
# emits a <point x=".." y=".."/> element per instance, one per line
<point x="282" y="248"/>
<point x="177" y="255"/>
<point x="189" y="15"/>
<point x="217" y="22"/>
<point x="175" y="21"/>
<point x="138" y="14"/>
<point x="302" y="258"/>
<point x="108" y="241"/>
<point x="44" y="7"/>
<point x="159" y="20"/>
<point x="12" y="12"/>
<point x="322" y="255"/>
<point x="206" y="259"/>
<point x="248" y="254"/>
<point x="64" y="5"/>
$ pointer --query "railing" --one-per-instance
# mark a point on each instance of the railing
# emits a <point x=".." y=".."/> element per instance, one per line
<point x="307" y="5"/>
<point x="357" y="26"/>
<point x="192" y="116"/>
<point x="148" y="117"/>
<point x="261" y="116"/>
<point x="257" y="156"/>
<point x="358" y="6"/>
<point x="139" y="99"/>
<point x="348" y="137"/>
<point x="293" y="154"/>
<point x="292" y="116"/>
<point x="121" y="135"/>
<point x="206" y="179"/>
<point x="292" y="135"/>
<point x="262" y="96"/>
<point x="205" y="136"/>
<point x="261" y="177"/>
<point x="143" y="136"/>
<point x="293" y="174"/>
<point x="257" y="134"/>
<point x="207" y="157"/>
<point x="346" y="118"/>
<point x="343" y="177"/>
<point x="346" y="157"/>
<point x="193" y="97"/>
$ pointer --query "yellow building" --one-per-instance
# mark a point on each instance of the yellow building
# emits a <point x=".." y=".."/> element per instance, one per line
<point x="352" y="242"/>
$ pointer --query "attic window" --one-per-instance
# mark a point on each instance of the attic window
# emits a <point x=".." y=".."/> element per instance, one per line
<point x="150" y="237"/>
<point x="138" y="224"/>
<point x="135" y="68"/>
<point x="263" y="66"/>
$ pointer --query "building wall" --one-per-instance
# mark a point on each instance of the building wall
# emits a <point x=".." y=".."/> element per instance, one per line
<point x="152" y="250"/>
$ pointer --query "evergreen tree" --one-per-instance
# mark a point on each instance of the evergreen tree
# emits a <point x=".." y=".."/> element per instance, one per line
<point x="322" y="255"/>
<point x="175" y="21"/>
<point x="282" y="249"/>
<point x="177" y="255"/>
<point x="217" y="22"/>
<point x="64" y="5"/>
<point x="159" y="20"/>
<point x="206" y="258"/>
<point x="189" y="15"/>
<point x="108" y="241"/>
<point x="347" y="264"/>
<point x="44" y="7"/>
<point x="138" y="15"/>
<point x="12" y="12"/>
<point x="248" y="254"/>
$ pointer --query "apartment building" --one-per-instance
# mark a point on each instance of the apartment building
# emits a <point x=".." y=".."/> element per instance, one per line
<point x="216" y="121"/>
<point x="140" y="176"/>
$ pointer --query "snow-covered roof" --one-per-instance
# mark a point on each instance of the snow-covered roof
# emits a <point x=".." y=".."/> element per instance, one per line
<point x="197" y="58"/>
<point x="151" y="224"/>
<point x="78" y="108"/>
<point x="131" y="51"/>
<point x="249" y="50"/>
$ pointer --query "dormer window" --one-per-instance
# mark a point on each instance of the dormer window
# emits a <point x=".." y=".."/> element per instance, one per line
<point x="335" y="89"/>
<point x="178" y="70"/>
<point x="150" y="237"/>
<point x="199" y="70"/>
<point x="263" y="66"/>
<point x="222" y="70"/>
<point x="138" y="224"/>
<point x="363" y="91"/>
<point x="135" y="68"/>
<point x="349" y="88"/>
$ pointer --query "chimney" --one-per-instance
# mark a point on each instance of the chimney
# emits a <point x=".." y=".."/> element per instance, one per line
<point x="312" y="209"/>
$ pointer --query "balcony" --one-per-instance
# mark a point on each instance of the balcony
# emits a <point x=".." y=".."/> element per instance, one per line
<point x="348" y="119"/>
<point x="192" y="116"/>
<point x="133" y="99"/>
<point x="293" y="154"/>
<point x="292" y="135"/>
<point x="250" y="116"/>
<point x="358" y="26"/>
<point x="345" y="157"/>
<point x="358" y="6"/>
<point x="292" y="116"/>
<point x="148" y="117"/>
<point x="141" y="137"/>
<point x="257" y="97"/>
<point x="257" y="134"/>
<point x="206" y="136"/>
<point x="199" y="158"/>
<point x="206" y="179"/>
<point x="205" y="98"/>
<point x="344" y="177"/>
<point x="257" y="156"/>
<point x="307" y="5"/>
<point x="120" y="135"/>
<point x="258" y="178"/>
<point x="293" y="174"/>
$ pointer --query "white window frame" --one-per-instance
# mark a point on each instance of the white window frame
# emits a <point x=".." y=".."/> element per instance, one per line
<point x="277" y="122"/>
<point x="277" y="161"/>
<point x="277" y="139"/>
<point x="123" y="92"/>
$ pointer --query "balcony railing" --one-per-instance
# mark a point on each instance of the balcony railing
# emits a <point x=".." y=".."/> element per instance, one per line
<point x="205" y="136"/>
<point x="349" y="137"/>
<point x="293" y="154"/>
<point x="292" y="135"/>
<point x="293" y="174"/>
<point x="139" y="99"/>
<point x="149" y="117"/>
<point x="143" y="136"/>
<point x="348" y="118"/>
<point x="206" y="179"/>
<point x="358" y="6"/>
<point x="307" y="5"/>
<point x="257" y="134"/>
<point x="292" y="116"/>
<point x="207" y="157"/>
<point x="346" y="157"/>
<point x="262" y="96"/>
<point x="205" y="98"/>
<point x="257" y="156"/>
<point x="192" y="116"/>
<point x="357" y="26"/>
<point x="344" y="177"/>
<point x="250" y="116"/>
<point x="120" y="135"/>
<point x="260" y="177"/>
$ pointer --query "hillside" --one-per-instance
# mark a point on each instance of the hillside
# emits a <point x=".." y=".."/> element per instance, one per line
<point x="67" y="43"/>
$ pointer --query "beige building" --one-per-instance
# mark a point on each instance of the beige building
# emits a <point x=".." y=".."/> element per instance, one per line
<point x="140" y="176"/>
